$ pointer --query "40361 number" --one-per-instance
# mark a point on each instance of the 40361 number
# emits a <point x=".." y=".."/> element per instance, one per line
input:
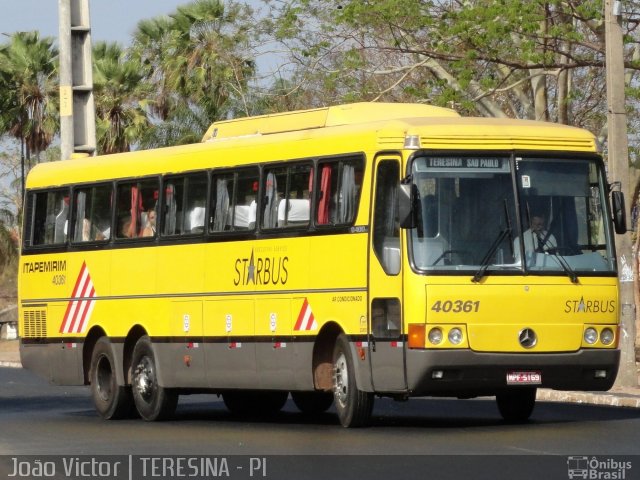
<point x="456" y="306"/>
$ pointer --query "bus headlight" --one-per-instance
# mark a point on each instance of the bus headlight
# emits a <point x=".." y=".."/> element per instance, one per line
<point x="607" y="336"/>
<point x="455" y="336"/>
<point x="435" y="336"/>
<point x="591" y="335"/>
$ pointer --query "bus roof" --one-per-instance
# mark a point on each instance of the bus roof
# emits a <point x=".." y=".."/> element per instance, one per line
<point x="349" y="114"/>
<point x="361" y="127"/>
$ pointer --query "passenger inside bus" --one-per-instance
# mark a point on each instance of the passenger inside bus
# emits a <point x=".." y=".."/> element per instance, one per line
<point x="150" y="227"/>
<point x="124" y="227"/>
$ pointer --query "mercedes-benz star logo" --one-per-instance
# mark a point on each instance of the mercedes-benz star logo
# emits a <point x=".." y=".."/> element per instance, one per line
<point x="527" y="338"/>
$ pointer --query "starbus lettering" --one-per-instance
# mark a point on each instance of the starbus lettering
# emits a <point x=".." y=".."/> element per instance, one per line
<point x="261" y="270"/>
<point x="44" y="267"/>
<point x="590" y="306"/>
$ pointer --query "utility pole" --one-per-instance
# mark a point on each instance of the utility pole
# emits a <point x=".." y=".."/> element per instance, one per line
<point x="77" y="110"/>
<point x="618" y="164"/>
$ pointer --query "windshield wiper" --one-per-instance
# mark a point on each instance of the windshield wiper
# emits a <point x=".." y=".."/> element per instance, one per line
<point x="494" y="246"/>
<point x="561" y="260"/>
<point x="489" y="255"/>
<point x="565" y="266"/>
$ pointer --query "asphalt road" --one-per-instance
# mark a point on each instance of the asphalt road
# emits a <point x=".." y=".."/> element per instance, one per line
<point x="39" y="419"/>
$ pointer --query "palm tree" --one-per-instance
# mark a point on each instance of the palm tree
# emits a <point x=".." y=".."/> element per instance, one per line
<point x="9" y="241"/>
<point x="119" y="90"/>
<point x="28" y="76"/>
<point x="197" y="61"/>
<point x="151" y="45"/>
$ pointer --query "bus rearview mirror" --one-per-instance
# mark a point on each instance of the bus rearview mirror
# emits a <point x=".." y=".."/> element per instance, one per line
<point x="619" y="212"/>
<point x="405" y="206"/>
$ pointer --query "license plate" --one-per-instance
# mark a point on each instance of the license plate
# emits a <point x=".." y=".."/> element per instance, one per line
<point x="524" y="378"/>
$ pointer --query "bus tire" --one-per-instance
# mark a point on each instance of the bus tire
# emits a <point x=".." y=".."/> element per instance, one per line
<point x="312" y="403"/>
<point x="112" y="401"/>
<point x="516" y="406"/>
<point x="152" y="401"/>
<point x="254" y="402"/>
<point x="354" y="406"/>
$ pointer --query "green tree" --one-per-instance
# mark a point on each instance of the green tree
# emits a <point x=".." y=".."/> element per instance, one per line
<point x="28" y="73"/>
<point x="10" y="219"/>
<point x="198" y="61"/>
<point x="119" y="92"/>
<point x="541" y="59"/>
<point x="28" y="113"/>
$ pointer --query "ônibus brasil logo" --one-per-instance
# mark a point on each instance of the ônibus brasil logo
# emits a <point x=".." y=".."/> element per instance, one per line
<point x="593" y="468"/>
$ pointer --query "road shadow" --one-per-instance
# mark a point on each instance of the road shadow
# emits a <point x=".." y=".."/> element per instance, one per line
<point x="416" y="413"/>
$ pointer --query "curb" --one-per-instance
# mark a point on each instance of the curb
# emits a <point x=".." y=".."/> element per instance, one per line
<point x="10" y="364"/>
<point x="602" y="399"/>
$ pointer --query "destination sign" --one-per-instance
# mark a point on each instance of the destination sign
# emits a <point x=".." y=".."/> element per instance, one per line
<point x="469" y="164"/>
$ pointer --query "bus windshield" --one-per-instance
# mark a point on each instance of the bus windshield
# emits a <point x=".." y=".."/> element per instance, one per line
<point x="471" y="216"/>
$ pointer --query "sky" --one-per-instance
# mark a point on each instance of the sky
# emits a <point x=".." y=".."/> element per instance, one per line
<point x="111" y="20"/>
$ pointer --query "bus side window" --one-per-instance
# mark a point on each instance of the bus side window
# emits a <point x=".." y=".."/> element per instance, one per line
<point x="287" y="192"/>
<point x="92" y="218"/>
<point x="50" y="217"/>
<point x="184" y="200"/>
<point x="245" y="200"/>
<point x="386" y="231"/>
<point x="134" y="202"/>
<point x="338" y="191"/>
<point x="295" y="210"/>
<point x="234" y="200"/>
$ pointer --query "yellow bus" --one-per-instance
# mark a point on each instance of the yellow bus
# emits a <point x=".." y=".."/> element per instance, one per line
<point x="334" y="254"/>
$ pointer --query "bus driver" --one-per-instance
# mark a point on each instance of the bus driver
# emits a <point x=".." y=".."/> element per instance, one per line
<point x="536" y="238"/>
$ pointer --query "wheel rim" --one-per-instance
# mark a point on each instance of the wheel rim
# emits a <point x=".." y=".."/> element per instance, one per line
<point x="341" y="379"/>
<point x="145" y="378"/>
<point x="104" y="378"/>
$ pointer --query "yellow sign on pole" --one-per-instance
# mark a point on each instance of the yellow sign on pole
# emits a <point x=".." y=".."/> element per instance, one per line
<point x="66" y="101"/>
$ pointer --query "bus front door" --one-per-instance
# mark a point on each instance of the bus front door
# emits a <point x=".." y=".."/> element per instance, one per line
<point x="386" y="339"/>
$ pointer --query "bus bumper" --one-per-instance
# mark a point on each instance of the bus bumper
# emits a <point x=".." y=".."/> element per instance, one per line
<point x="468" y="374"/>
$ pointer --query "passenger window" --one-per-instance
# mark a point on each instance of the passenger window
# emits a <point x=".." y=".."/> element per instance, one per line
<point x="92" y="217"/>
<point x="137" y="209"/>
<point x="50" y="218"/>
<point x="184" y="204"/>
<point x="386" y="228"/>
<point x="339" y="185"/>
<point x="234" y="200"/>
<point x="287" y="196"/>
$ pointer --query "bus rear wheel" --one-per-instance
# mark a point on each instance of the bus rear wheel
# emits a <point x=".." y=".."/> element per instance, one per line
<point x="354" y="406"/>
<point x="112" y="401"/>
<point x="516" y="406"/>
<point x="312" y="403"/>
<point x="152" y="401"/>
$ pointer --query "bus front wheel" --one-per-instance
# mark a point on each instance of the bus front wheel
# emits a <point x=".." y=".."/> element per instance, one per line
<point x="354" y="406"/>
<point x="112" y="401"/>
<point x="516" y="406"/>
<point x="152" y="401"/>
